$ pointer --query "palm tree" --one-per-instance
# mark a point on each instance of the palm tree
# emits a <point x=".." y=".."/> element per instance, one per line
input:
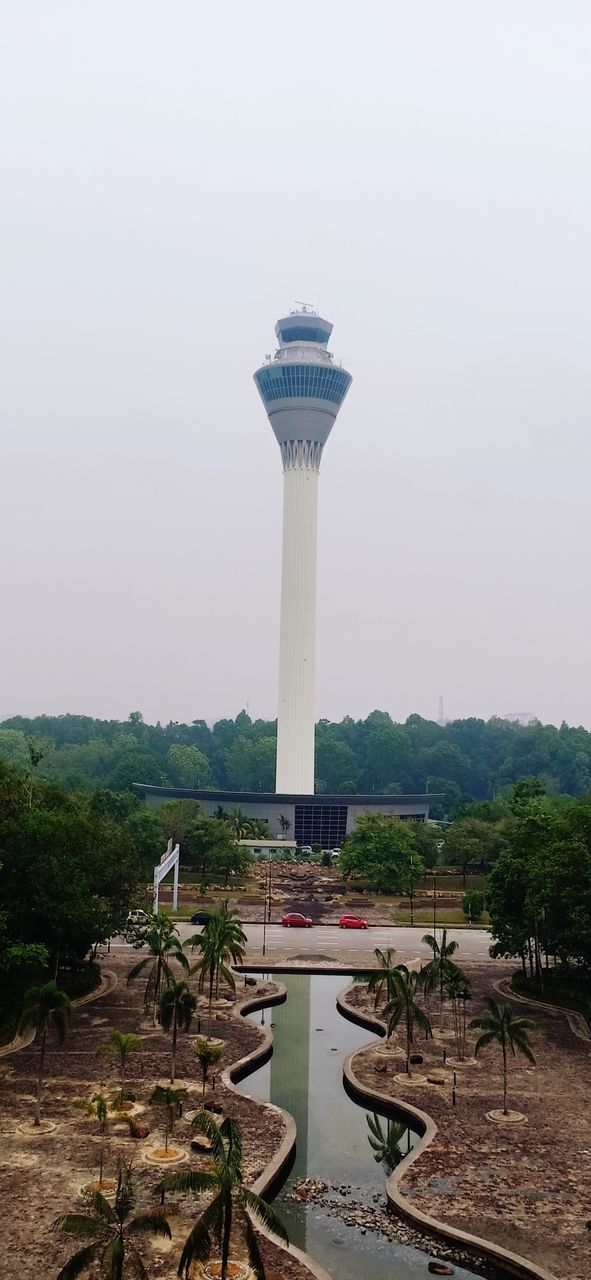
<point x="98" y="1108"/>
<point x="385" y="1146"/>
<point x="111" y="1232"/>
<point x="208" y="1054"/>
<point x="170" y="1100"/>
<point x="221" y="943"/>
<point x="381" y="983"/>
<point x="232" y="1203"/>
<point x="403" y="1007"/>
<point x="164" y="946"/>
<point x="511" y="1033"/>
<point x="121" y="1045"/>
<point x="239" y="824"/>
<point x="435" y="973"/>
<point x="458" y="990"/>
<point x="177" y="1006"/>
<point x="44" y="1007"/>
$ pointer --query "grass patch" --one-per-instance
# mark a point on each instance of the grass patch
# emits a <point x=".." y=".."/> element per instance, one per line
<point x="444" y="916"/>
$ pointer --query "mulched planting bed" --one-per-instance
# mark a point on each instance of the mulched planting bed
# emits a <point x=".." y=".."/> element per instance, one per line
<point x="526" y="1187"/>
<point x="43" y="1176"/>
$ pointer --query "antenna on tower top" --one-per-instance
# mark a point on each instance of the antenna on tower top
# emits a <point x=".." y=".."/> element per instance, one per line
<point x="307" y="307"/>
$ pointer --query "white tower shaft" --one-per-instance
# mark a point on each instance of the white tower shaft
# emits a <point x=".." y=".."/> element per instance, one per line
<point x="302" y="389"/>
<point x="297" y="641"/>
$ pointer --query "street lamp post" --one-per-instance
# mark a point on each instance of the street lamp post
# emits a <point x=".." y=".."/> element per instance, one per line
<point x="265" y="910"/>
<point x="411" y="895"/>
<point x="434" y="907"/>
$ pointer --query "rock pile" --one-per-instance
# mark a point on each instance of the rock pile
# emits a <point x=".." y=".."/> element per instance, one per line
<point x="377" y="1217"/>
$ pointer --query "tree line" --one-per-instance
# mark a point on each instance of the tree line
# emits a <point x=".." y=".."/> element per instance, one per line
<point x="464" y="760"/>
<point x="73" y="864"/>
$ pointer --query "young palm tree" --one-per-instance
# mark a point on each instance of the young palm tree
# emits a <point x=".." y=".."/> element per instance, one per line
<point x="99" y="1109"/>
<point x="221" y="943"/>
<point x="381" y="983"/>
<point x="44" y="1007"/>
<point x="403" y="1008"/>
<point x="231" y="1205"/>
<point x="385" y="1145"/>
<point x="111" y="1232"/>
<point x="164" y="947"/>
<point x="121" y="1045"/>
<point x="169" y="1100"/>
<point x="458" y="990"/>
<point x="208" y="1054"/>
<point x="177" y="1006"/>
<point x="500" y="1027"/>
<point x="441" y="967"/>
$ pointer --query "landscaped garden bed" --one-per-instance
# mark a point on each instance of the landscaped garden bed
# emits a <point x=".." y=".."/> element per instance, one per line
<point x="525" y="1186"/>
<point x="44" y="1173"/>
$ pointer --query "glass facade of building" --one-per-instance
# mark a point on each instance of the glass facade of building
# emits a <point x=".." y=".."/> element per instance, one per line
<point x="315" y="381"/>
<point x="324" y="824"/>
<point x="300" y="333"/>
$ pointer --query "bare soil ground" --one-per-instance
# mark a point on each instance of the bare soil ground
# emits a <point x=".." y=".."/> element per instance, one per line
<point x="41" y="1175"/>
<point x="320" y="892"/>
<point x="526" y="1187"/>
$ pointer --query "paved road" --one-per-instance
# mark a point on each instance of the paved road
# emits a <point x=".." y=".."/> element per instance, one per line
<point x="328" y="940"/>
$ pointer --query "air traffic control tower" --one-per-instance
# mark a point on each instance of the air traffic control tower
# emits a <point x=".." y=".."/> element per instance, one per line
<point x="302" y="389"/>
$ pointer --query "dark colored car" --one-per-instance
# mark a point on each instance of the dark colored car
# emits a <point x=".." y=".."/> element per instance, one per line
<point x="295" y="920"/>
<point x="200" y="917"/>
<point x="352" y="922"/>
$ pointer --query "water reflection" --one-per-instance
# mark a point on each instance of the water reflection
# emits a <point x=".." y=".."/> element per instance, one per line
<point x="336" y="1143"/>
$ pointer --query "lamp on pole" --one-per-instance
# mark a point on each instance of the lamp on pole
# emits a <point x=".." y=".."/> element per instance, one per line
<point x="434" y="907"/>
<point x="411" y="894"/>
<point x="267" y="910"/>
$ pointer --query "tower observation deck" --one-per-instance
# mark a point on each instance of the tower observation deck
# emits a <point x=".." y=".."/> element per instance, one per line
<point x="302" y="388"/>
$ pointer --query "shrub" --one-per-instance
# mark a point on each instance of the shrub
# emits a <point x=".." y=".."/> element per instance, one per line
<point x="473" y="904"/>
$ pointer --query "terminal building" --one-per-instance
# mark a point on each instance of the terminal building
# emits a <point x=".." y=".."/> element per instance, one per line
<point x="313" y="819"/>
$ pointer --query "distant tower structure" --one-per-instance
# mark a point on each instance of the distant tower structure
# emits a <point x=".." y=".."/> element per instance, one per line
<point x="441" y="717"/>
<point x="302" y="389"/>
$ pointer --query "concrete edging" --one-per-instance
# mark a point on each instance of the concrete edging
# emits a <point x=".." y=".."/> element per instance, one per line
<point x="576" y="1021"/>
<point x="272" y="1171"/>
<point x="511" y="1263"/>
<point x="107" y="983"/>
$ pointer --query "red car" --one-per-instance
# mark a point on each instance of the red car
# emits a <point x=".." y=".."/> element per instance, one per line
<point x="295" y="920"/>
<point x="352" y="922"/>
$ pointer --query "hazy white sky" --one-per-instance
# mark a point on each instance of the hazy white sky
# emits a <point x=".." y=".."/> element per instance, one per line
<point x="172" y="178"/>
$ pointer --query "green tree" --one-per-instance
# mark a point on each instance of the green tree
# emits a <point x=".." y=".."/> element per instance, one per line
<point x="208" y="1055"/>
<point x="231" y="1204"/>
<point x="45" y="1007"/>
<point x="473" y="904"/>
<point x="188" y="767"/>
<point x="334" y="759"/>
<point x="98" y="1108"/>
<point x="385" y="1145"/>
<point x="457" y="990"/>
<point x="435" y="974"/>
<point x="177" y="1006"/>
<point x="383" y="850"/>
<point x="500" y="1027"/>
<point x="169" y="1100"/>
<point x="121" y="1045"/>
<point x="381" y="984"/>
<point x="164" y="948"/>
<point x="403" y="1008"/>
<point x="469" y="840"/>
<point x="221" y="943"/>
<point x="111" y="1231"/>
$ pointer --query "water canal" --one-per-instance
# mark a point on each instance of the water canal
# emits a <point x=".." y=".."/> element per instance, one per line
<point x="304" y="1076"/>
